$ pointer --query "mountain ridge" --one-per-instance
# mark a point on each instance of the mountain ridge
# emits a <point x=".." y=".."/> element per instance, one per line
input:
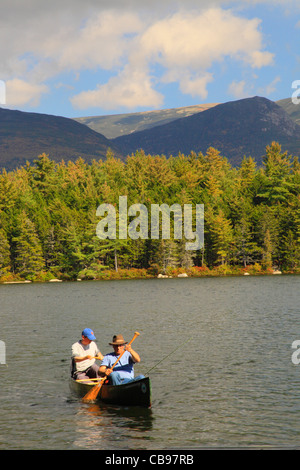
<point x="236" y="128"/>
<point x="115" y="125"/>
<point x="23" y="136"/>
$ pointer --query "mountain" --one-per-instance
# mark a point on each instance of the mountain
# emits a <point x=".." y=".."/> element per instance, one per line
<point x="115" y="125"/>
<point x="24" y="136"/>
<point x="291" y="108"/>
<point x="236" y="128"/>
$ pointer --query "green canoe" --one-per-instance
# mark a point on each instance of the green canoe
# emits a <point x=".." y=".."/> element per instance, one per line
<point x="135" y="393"/>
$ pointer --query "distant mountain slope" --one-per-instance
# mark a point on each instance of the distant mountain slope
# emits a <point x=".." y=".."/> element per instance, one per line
<point x="236" y="128"/>
<point x="23" y="136"/>
<point x="123" y="124"/>
<point x="292" y="109"/>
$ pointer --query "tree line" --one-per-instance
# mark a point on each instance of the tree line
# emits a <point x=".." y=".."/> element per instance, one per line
<point x="48" y="215"/>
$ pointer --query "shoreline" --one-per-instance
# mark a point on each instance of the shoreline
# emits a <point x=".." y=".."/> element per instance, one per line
<point x="133" y="275"/>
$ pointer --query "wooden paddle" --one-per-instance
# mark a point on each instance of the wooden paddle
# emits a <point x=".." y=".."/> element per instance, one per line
<point x="93" y="393"/>
<point x="89" y="380"/>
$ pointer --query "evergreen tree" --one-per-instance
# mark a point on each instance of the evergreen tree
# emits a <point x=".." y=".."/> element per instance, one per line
<point x="276" y="183"/>
<point x="166" y="255"/>
<point x="247" y="250"/>
<point x="290" y="251"/>
<point x="28" y="257"/>
<point x="4" y="254"/>
<point x="221" y="233"/>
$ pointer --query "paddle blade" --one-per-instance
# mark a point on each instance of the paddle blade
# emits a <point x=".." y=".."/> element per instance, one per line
<point x="92" y="394"/>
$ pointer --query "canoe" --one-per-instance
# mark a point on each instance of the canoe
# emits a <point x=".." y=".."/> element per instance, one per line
<point x="135" y="393"/>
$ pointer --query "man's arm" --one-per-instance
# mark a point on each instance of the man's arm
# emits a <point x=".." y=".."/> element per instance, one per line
<point x="83" y="358"/>
<point x="134" y="354"/>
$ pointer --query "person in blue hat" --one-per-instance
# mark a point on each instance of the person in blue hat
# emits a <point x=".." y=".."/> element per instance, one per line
<point x="84" y="355"/>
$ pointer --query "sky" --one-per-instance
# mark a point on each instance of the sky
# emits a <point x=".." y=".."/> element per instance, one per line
<point x="78" y="58"/>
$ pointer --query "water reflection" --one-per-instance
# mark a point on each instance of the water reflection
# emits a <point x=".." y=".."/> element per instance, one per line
<point x="100" y="427"/>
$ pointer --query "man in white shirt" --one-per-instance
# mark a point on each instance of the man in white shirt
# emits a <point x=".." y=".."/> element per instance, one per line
<point x="84" y="354"/>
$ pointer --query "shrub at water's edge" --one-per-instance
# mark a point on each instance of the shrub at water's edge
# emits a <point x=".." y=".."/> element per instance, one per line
<point x="134" y="273"/>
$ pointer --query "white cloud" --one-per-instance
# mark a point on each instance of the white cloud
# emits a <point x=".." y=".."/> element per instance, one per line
<point x="195" y="41"/>
<point x="130" y="89"/>
<point x="185" y="46"/>
<point x="260" y="59"/>
<point x="44" y="51"/>
<point x="188" y="44"/>
<point x="102" y="42"/>
<point x="242" y="89"/>
<point x="196" y="86"/>
<point x="270" y="87"/>
<point x="142" y="44"/>
<point x="238" y="89"/>
<point x="20" y="92"/>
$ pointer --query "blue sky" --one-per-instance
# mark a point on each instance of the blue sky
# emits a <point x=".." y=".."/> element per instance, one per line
<point x="76" y="58"/>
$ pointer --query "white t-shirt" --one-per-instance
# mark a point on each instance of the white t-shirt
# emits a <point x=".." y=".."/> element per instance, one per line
<point x="81" y="350"/>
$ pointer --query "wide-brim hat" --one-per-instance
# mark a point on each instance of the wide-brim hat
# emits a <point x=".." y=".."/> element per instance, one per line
<point x="118" y="340"/>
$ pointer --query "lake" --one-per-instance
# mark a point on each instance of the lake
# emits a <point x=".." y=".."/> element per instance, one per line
<point x="218" y="352"/>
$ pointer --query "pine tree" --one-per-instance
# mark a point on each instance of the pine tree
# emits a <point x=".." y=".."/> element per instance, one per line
<point x="4" y="254"/>
<point x="268" y="232"/>
<point x="247" y="251"/>
<point x="166" y="255"/>
<point x="222" y="236"/>
<point x="268" y="249"/>
<point x="290" y="251"/>
<point x="28" y="257"/>
<point x="276" y="183"/>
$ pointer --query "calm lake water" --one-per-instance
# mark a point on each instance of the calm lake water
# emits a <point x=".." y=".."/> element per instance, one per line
<point x="221" y="348"/>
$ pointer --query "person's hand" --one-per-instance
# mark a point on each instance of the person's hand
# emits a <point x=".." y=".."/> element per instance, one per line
<point x="108" y="371"/>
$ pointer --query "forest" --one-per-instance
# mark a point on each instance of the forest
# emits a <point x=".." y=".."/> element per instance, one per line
<point x="251" y="216"/>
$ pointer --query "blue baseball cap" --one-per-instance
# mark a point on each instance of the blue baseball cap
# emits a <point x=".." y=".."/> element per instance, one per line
<point x="88" y="333"/>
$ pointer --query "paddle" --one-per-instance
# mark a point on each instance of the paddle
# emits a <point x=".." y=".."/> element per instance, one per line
<point x="89" y="380"/>
<point x="93" y="393"/>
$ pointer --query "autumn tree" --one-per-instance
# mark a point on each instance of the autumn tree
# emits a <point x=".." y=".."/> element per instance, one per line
<point x="28" y="256"/>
